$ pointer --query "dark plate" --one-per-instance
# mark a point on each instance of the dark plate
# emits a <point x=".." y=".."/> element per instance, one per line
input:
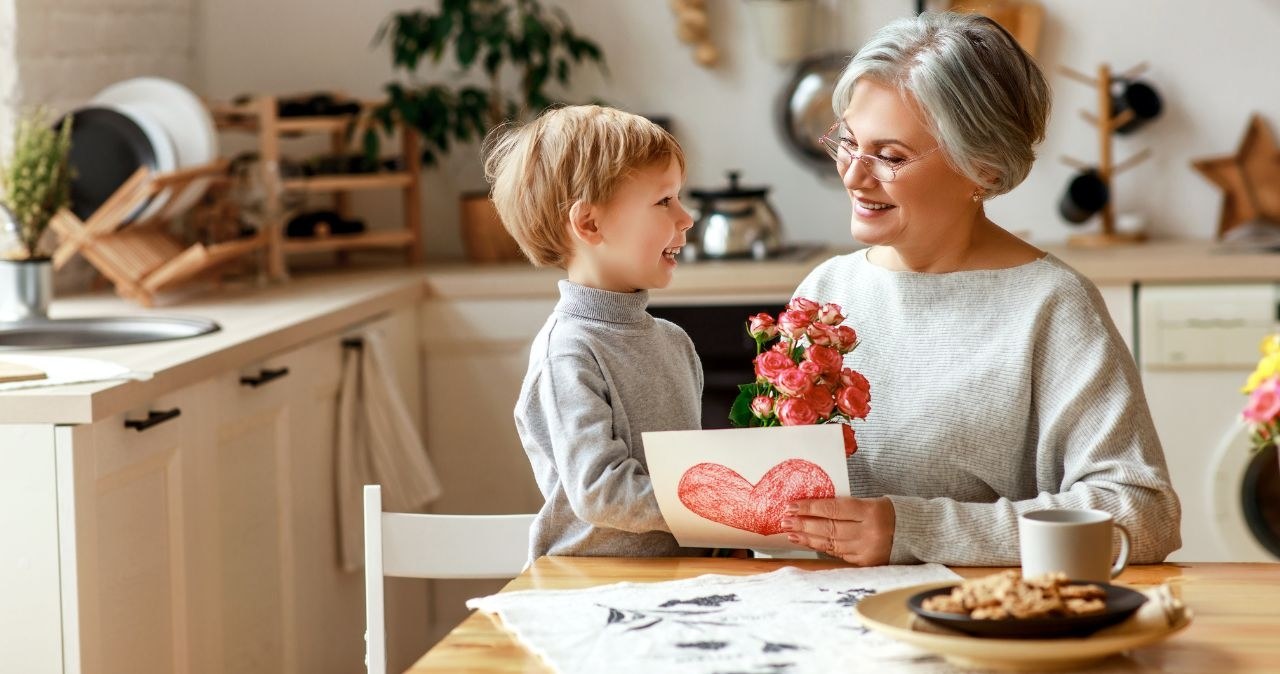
<point x="106" y="148"/>
<point x="1121" y="603"/>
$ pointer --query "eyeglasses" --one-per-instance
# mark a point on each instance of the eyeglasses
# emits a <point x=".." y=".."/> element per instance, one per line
<point x="838" y="142"/>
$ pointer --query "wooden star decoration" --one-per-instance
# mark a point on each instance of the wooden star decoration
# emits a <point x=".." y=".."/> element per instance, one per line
<point x="1250" y="179"/>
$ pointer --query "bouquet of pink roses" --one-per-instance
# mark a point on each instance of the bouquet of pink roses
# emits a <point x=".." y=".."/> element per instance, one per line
<point x="801" y="379"/>
<point x="1263" y="387"/>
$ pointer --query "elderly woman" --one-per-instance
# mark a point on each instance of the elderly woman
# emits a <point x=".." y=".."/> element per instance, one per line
<point x="999" y="384"/>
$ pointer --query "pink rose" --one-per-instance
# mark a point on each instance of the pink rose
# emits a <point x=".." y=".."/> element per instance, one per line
<point x="772" y="363"/>
<point x="846" y="339"/>
<point x="822" y="334"/>
<point x="855" y="379"/>
<point x="796" y="412"/>
<point x="829" y="360"/>
<point x="805" y="306"/>
<point x="850" y="440"/>
<point x="830" y="314"/>
<point x="853" y="402"/>
<point x="794" y="382"/>
<point x="761" y="327"/>
<point x="821" y="400"/>
<point x="762" y="407"/>
<point x="794" y="324"/>
<point x="1264" y="402"/>
<point x="812" y="369"/>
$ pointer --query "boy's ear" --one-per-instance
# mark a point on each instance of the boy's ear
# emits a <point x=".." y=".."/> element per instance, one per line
<point x="583" y="223"/>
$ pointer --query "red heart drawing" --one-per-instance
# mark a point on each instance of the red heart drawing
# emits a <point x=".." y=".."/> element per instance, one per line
<point x="718" y="493"/>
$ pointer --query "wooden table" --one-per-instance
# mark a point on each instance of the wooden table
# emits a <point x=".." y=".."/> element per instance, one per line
<point x="1236" y="626"/>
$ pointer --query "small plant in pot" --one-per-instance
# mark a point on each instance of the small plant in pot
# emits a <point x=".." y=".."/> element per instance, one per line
<point x="35" y="181"/>
<point x="520" y="46"/>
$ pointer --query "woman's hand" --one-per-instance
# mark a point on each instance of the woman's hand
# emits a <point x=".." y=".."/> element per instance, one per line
<point x="857" y="530"/>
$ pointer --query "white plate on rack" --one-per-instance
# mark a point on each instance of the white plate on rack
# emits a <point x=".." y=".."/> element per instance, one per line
<point x="182" y="115"/>
<point x="161" y="146"/>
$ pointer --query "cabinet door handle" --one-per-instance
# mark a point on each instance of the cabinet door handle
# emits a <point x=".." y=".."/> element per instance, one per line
<point x="153" y="418"/>
<point x="263" y="377"/>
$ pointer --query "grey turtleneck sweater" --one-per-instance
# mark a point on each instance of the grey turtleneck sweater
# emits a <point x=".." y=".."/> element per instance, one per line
<point x="601" y="372"/>
<point x="994" y="393"/>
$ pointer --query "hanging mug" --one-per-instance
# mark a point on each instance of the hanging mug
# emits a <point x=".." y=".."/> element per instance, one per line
<point x="1086" y="194"/>
<point x="1137" y="96"/>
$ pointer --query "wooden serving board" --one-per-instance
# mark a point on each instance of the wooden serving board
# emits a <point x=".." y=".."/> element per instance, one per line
<point x="14" y="372"/>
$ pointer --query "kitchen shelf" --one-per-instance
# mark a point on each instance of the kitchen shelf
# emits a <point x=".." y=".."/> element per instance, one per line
<point x="336" y="242"/>
<point x="353" y="181"/>
<point x="260" y="116"/>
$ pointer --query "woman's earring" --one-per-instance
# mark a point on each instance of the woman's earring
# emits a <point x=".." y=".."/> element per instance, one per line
<point x="978" y="194"/>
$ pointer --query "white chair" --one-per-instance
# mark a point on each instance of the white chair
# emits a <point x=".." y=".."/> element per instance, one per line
<point x="405" y="545"/>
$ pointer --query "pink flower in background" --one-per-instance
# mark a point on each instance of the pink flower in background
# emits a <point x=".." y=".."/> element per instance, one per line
<point x="855" y="379"/>
<point x="794" y="324"/>
<point x="853" y="402"/>
<point x="805" y="306"/>
<point x="762" y="326"/>
<point x="819" y="398"/>
<point x="801" y="379"/>
<point x="794" y="382"/>
<point x="796" y="412"/>
<point x="1264" y="402"/>
<point x="827" y="359"/>
<point x="772" y="363"/>
<point x="822" y="335"/>
<point x="762" y="407"/>
<point x="846" y="339"/>
<point x="830" y="314"/>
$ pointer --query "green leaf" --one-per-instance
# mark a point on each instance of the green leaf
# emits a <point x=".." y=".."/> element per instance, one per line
<point x="740" y="413"/>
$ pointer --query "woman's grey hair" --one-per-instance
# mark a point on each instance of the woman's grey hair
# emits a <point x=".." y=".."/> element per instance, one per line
<point x="985" y="99"/>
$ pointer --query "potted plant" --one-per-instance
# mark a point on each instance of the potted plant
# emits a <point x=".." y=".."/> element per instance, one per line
<point x="35" y="182"/>
<point x="520" y="46"/>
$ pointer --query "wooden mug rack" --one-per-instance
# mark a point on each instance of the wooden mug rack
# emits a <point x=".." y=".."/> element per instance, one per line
<point x="1106" y="124"/>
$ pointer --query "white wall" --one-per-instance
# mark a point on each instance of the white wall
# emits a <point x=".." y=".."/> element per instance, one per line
<point x="63" y="51"/>
<point x="1212" y="62"/>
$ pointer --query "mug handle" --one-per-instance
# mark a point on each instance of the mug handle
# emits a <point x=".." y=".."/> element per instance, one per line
<point x="1123" y="561"/>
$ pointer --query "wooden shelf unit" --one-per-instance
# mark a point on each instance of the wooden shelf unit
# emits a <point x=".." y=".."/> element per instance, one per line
<point x="260" y="116"/>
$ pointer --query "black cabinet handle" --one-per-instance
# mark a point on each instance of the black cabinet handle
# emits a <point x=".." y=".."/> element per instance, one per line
<point x="153" y="418"/>
<point x="263" y="377"/>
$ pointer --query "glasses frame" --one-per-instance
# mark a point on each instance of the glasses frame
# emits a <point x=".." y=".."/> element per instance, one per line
<point x="876" y="165"/>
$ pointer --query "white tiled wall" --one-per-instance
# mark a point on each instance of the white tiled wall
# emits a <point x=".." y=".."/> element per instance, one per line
<point x="61" y="52"/>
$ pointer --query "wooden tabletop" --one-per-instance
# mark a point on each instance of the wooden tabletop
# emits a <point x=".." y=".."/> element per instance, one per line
<point x="1236" y="626"/>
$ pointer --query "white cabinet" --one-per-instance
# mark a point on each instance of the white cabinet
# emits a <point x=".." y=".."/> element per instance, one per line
<point x="198" y="534"/>
<point x="475" y="355"/>
<point x="128" y="516"/>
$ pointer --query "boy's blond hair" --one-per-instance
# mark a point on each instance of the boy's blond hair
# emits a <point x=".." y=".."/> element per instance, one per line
<point x="576" y="153"/>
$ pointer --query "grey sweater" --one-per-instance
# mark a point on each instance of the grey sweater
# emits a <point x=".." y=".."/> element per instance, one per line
<point x="994" y="393"/>
<point x="601" y="372"/>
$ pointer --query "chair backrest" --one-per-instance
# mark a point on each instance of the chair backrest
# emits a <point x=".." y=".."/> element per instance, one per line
<point x="432" y="546"/>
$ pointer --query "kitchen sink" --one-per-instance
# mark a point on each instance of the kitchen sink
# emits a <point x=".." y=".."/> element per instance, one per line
<point x="79" y="333"/>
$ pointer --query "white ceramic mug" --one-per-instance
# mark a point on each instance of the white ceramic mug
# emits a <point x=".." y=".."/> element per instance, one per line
<point x="1075" y="542"/>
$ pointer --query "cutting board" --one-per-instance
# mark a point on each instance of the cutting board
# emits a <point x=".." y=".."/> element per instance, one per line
<point x="15" y="372"/>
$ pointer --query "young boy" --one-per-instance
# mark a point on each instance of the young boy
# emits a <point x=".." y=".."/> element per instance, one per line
<point x="595" y="191"/>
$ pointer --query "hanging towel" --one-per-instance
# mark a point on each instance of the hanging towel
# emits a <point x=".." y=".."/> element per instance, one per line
<point x="378" y="443"/>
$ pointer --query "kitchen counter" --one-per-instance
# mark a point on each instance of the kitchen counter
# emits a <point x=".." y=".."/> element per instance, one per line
<point x="255" y="321"/>
<point x="1172" y="261"/>
<point x="259" y="321"/>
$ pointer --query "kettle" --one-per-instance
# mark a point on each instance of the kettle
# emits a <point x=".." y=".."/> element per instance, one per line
<point x="735" y="222"/>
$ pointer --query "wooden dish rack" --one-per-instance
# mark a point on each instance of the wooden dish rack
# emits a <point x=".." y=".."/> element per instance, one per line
<point x="260" y="115"/>
<point x="143" y="258"/>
